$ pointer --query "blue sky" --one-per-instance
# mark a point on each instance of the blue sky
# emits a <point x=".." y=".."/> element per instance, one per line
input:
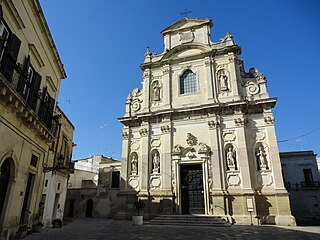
<point x="103" y="43"/>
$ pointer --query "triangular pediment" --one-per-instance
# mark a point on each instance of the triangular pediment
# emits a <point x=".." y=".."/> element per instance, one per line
<point x="187" y="23"/>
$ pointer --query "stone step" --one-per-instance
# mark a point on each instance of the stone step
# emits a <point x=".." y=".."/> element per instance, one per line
<point x="189" y="220"/>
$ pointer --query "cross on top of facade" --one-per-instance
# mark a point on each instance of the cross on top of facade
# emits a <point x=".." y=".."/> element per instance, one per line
<point x="186" y="12"/>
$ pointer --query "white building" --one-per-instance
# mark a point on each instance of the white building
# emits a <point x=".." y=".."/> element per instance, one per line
<point x="302" y="180"/>
<point x="199" y="137"/>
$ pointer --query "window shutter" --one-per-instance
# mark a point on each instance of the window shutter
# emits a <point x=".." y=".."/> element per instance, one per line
<point x="34" y="89"/>
<point x="42" y="109"/>
<point x="49" y="113"/>
<point x="13" y="47"/>
<point x="1" y="13"/>
<point x="24" y="75"/>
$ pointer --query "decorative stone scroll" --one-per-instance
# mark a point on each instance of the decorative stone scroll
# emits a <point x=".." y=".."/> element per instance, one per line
<point x="143" y="132"/>
<point x="204" y="148"/>
<point x="213" y="124"/>
<point x="240" y="121"/>
<point x="125" y="135"/>
<point x="165" y="129"/>
<point x="269" y="120"/>
<point x="177" y="149"/>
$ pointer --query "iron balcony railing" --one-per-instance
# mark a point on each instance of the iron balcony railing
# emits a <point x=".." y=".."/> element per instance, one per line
<point x="302" y="185"/>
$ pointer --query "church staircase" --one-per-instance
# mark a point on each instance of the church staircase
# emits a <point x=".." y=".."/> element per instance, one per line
<point x="190" y="220"/>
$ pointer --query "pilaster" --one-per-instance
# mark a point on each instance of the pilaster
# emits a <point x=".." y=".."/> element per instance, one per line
<point x="165" y="165"/>
<point x="125" y="158"/>
<point x="143" y="165"/>
<point x="240" y="122"/>
<point x="147" y="75"/>
<point x="274" y="158"/>
<point x="233" y="76"/>
<point x="167" y="87"/>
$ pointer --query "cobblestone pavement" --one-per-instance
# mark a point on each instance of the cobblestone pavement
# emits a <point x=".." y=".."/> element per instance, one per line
<point x="94" y="229"/>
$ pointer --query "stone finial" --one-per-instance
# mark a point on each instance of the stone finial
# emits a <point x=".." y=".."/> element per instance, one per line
<point x="147" y="55"/>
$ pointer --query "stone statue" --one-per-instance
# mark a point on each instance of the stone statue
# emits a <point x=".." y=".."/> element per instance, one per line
<point x="230" y="157"/>
<point x="134" y="163"/>
<point x="223" y="82"/>
<point x="189" y="139"/>
<point x="156" y="93"/>
<point x="262" y="157"/>
<point x="156" y="162"/>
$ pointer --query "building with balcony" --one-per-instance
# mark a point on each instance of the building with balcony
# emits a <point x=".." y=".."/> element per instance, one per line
<point x="30" y="75"/>
<point x="302" y="180"/>
<point x="199" y="136"/>
<point x="56" y="178"/>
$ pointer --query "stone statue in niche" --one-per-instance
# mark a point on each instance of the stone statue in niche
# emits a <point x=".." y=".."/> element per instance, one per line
<point x="134" y="165"/>
<point x="262" y="157"/>
<point x="223" y="78"/>
<point x="231" y="158"/>
<point x="156" y="162"/>
<point x="156" y="93"/>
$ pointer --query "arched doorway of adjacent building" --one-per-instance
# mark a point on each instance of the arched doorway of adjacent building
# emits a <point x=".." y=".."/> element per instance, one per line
<point x="4" y="182"/>
<point x="89" y="208"/>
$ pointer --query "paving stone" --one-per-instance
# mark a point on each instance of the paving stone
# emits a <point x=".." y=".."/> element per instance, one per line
<point x="96" y="229"/>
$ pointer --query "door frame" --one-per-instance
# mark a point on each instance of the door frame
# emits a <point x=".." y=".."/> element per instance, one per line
<point x="177" y="182"/>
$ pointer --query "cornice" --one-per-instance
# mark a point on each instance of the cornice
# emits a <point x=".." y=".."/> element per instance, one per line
<point x="217" y="108"/>
<point x="213" y="52"/>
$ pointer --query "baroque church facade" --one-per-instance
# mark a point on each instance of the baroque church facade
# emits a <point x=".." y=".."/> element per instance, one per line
<point x="199" y="137"/>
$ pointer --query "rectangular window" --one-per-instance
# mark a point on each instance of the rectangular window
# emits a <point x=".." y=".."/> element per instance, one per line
<point x="308" y="177"/>
<point x="4" y="35"/>
<point x="46" y="183"/>
<point x="58" y="186"/>
<point x="46" y="108"/>
<point x="34" y="161"/>
<point x="115" y="183"/>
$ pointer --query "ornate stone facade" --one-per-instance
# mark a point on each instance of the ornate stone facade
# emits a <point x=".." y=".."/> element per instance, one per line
<point x="213" y="121"/>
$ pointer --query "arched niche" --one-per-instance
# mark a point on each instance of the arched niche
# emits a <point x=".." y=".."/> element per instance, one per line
<point x="231" y="156"/>
<point x="154" y="161"/>
<point x="133" y="163"/>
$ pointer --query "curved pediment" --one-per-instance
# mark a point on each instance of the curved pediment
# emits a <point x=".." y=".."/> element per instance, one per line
<point x="186" y="50"/>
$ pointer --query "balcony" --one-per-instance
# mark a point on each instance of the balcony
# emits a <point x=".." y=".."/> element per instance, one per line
<point x="310" y="184"/>
<point x="313" y="185"/>
<point x="64" y="165"/>
<point x="18" y="105"/>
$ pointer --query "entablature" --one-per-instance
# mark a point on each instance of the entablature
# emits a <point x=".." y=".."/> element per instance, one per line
<point x="236" y="107"/>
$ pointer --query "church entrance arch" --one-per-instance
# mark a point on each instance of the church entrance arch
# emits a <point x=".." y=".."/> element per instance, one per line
<point x="192" y="191"/>
<point x="4" y="182"/>
<point x="89" y="208"/>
